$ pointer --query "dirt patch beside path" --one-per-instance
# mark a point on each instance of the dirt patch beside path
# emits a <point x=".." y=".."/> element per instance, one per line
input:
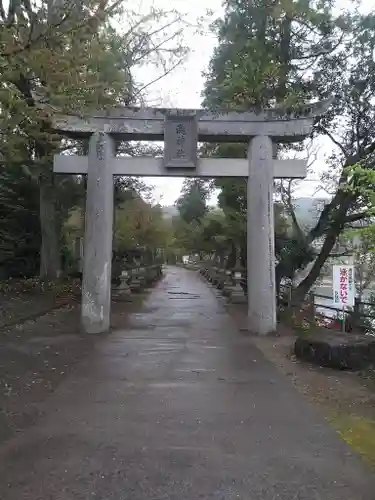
<point x="346" y="399"/>
<point x="21" y="300"/>
<point x="36" y="355"/>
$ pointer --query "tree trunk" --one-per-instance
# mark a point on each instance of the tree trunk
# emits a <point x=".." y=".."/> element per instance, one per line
<point x="285" y="41"/>
<point x="305" y="285"/>
<point x="277" y="282"/>
<point x="221" y="258"/>
<point x="243" y="254"/>
<point x="50" y="258"/>
<point x="231" y="261"/>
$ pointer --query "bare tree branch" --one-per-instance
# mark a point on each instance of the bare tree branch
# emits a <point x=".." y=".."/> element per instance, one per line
<point x="335" y="141"/>
<point x="356" y="217"/>
<point x="160" y="77"/>
<point x="290" y="206"/>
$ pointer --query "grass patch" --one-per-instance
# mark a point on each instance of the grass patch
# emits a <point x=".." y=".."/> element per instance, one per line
<point x="358" y="432"/>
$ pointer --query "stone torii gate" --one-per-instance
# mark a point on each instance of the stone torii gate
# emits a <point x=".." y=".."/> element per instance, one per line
<point x="181" y="131"/>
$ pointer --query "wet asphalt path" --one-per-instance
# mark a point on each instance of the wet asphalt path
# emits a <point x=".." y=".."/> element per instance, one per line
<point x="180" y="406"/>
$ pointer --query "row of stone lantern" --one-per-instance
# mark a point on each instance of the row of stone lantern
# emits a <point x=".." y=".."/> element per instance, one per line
<point x="231" y="282"/>
<point x="137" y="279"/>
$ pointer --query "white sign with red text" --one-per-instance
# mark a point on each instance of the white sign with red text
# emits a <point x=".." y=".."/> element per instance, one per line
<point x="343" y="286"/>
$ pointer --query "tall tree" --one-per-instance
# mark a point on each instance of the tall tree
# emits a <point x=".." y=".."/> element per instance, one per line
<point x="19" y="223"/>
<point x="192" y="204"/>
<point x="256" y="64"/>
<point x="65" y="55"/>
<point x="140" y="224"/>
<point x="264" y="50"/>
<point x="347" y="75"/>
<point x="308" y="52"/>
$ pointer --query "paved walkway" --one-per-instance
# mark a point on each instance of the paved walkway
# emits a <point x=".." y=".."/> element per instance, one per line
<point x="180" y="406"/>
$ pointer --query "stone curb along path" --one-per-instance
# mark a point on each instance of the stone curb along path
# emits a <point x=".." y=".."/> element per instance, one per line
<point x="180" y="406"/>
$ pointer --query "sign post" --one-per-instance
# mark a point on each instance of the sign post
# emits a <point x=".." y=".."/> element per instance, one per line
<point x="343" y="289"/>
<point x="181" y="141"/>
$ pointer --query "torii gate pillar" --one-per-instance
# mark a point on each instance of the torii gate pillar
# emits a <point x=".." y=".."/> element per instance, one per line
<point x="97" y="261"/>
<point x="261" y="289"/>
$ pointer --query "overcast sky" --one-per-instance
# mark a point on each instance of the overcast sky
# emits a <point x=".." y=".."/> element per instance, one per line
<point x="183" y="87"/>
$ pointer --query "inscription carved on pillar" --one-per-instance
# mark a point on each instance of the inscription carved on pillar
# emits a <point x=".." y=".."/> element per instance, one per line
<point x="180" y="141"/>
<point x="100" y="145"/>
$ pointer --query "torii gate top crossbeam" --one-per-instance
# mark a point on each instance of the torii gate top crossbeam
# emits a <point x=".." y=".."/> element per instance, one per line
<point x="222" y="126"/>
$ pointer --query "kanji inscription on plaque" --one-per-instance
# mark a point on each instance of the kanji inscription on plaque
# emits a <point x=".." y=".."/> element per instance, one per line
<point x="180" y="141"/>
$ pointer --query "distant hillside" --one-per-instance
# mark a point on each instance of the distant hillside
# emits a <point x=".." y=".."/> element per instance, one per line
<point x="307" y="210"/>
